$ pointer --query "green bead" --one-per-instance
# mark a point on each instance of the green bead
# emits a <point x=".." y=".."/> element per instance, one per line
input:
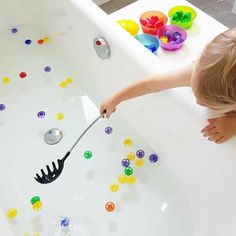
<point x="35" y="199"/>
<point x="88" y="154"/>
<point x="179" y="13"/>
<point x="128" y="170"/>
<point x="187" y="16"/>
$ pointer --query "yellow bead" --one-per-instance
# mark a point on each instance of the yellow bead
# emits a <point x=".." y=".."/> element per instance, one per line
<point x="37" y="205"/>
<point x="6" y="80"/>
<point x="46" y="39"/>
<point x="114" y="187"/>
<point x="131" y="179"/>
<point x="128" y="142"/>
<point x="63" y="84"/>
<point x="60" y="116"/>
<point x="122" y="179"/>
<point x="131" y="156"/>
<point x="12" y="213"/>
<point x="69" y="80"/>
<point x="139" y="162"/>
<point x="164" y="39"/>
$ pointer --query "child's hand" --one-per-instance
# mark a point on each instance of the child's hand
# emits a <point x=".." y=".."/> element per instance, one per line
<point x="220" y="129"/>
<point x="107" y="108"/>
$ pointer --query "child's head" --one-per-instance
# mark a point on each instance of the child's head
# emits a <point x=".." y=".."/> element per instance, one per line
<point x="214" y="77"/>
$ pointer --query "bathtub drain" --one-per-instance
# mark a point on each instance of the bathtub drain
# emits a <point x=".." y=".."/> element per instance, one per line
<point x="53" y="136"/>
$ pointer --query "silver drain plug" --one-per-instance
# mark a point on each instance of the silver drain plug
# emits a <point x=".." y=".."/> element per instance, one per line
<point x="53" y="136"/>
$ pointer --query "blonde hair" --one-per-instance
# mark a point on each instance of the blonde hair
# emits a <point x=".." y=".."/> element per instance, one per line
<point x="215" y="73"/>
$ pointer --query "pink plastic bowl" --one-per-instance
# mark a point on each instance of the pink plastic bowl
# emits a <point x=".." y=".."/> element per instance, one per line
<point x="171" y="45"/>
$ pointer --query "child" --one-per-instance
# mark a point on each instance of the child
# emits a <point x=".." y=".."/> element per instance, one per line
<point x="212" y="79"/>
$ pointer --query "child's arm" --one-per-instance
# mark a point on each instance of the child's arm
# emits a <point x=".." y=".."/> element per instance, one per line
<point x="173" y="79"/>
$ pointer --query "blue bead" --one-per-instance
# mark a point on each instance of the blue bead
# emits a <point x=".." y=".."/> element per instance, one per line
<point x="14" y="30"/>
<point x="153" y="158"/>
<point x="152" y="48"/>
<point x="108" y="130"/>
<point x="28" y="41"/>
<point x="41" y="114"/>
<point x="2" y="107"/>
<point x="47" y="69"/>
<point x="65" y="221"/>
<point x="125" y="162"/>
<point x="140" y="153"/>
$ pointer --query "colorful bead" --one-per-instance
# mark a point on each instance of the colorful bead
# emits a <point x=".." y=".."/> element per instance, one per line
<point x="37" y="205"/>
<point x="140" y="153"/>
<point x="128" y="142"/>
<point x="40" y="41"/>
<point x="69" y="80"/>
<point x="164" y="39"/>
<point x="65" y="221"/>
<point x="153" y="158"/>
<point x="41" y="114"/>
<point x="168" y="34"/>
<point x="131" y="179"/>
<point x="152" y="47"/>
<point x="47" y="68"/>
<point x="60" y="116"/>
<point x="110" y="206"/>
<point x="12" y="213"/>
<point x="122" y="179"/>
<point x="46" y="39"/>
<point x="88" y="154"/>
<point x="128" y="171"/>
<point x="28" y="41"/>
<point x="125" y="162"/>
<point x="63" y="84"/>
<point x="34" y="199"/>
<point x="6" y="80"/>
<point x="108" y="130"/>
<point x="114" y="187"/>
<point x="2" y="107"/>
<point x="139" y="162"/>
<point x="14" y="30"/>
<point x="131" y="156"/>
<point x="22" y="75"/>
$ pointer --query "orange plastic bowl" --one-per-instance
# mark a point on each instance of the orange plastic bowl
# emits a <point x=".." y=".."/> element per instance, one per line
<point x="162" y="20"/>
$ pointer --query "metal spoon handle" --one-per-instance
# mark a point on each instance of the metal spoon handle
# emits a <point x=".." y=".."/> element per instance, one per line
<point x="85" y="131"/>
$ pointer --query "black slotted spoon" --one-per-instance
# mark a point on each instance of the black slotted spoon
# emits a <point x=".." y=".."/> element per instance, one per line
<point x="56" y="171"/>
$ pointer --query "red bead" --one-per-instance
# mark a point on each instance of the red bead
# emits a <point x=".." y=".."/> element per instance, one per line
<point x="159" y="24"/>
<point x="22" y="75"/>
<point x="110" y="206"/>
<point x="40" y="41"/>
<point x="98" y="43"/>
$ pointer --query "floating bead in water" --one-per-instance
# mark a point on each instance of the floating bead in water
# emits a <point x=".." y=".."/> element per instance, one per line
<point x="128" y="142"/>
<point x="131" y="179"/>
<point x="114" y="187"/>
<point x="69" y="80"/>
<point x="6" y="80"/>
<point x="131" y="156"/>
<point x="139" y="162"/>
<point x="34" y="199"/>
<point x="110" y="206"/>
<point x="65" y="221"/>
<point x="128" y="171"/>
<point x="41" y="114"/>
<point x="47" y="69"/>
<point x="12" y="213"/>
<point x="22" y="75"/>
<point x="140" y="153"/>
<point x="2" y="107"/>
<point x="122" y="179"/>
<point x="40" y="41"/>
<point x="88" y="154"/>
<point x="153" y="158"/>
<point x="108" y="130"/>
<point x="14" y="30"/>
<point x="60" y="116"/>
<point x="164" y="39"/>
<point x="37" y="205"/>
<point x="28" y="41"/>
<point x="125" y="162"/>
<point x="63" y="84"/>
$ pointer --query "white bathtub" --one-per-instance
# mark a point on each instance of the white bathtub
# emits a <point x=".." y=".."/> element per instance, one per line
<point x="189" y="191"/>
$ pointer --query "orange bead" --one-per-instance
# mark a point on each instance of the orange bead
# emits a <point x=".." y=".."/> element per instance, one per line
<point x="110" y="206"/>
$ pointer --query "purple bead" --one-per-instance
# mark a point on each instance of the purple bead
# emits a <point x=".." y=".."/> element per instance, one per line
<point x="176" y="35"/>
<point x="168" y="34"/>
<point x="153" y="158"/>
<point x="65" y="221"/>
<point x="14" y="30"/>
<point x="108" y="130"/>
<point x="125" y="162"/>
<point x="2" y="107"/>
<point x="47" y="69"/>
<point x="140" y="153"/>
<point x="28" y="41"/>
<point x="41" y="114"/>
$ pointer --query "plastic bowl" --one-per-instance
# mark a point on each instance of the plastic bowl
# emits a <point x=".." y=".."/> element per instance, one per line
<point x="129" y="25"/>
<point x="173" y="43"/>
<point x="162" y="19"/>
<point x="186" y="24"/>
<point x="149" y="41"/>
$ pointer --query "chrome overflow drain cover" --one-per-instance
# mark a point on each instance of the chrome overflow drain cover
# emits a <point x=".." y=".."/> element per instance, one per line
<point x="53" y="136"/>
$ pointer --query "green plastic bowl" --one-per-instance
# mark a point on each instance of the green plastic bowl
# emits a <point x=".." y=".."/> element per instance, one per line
<point x="184" y="9"/>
